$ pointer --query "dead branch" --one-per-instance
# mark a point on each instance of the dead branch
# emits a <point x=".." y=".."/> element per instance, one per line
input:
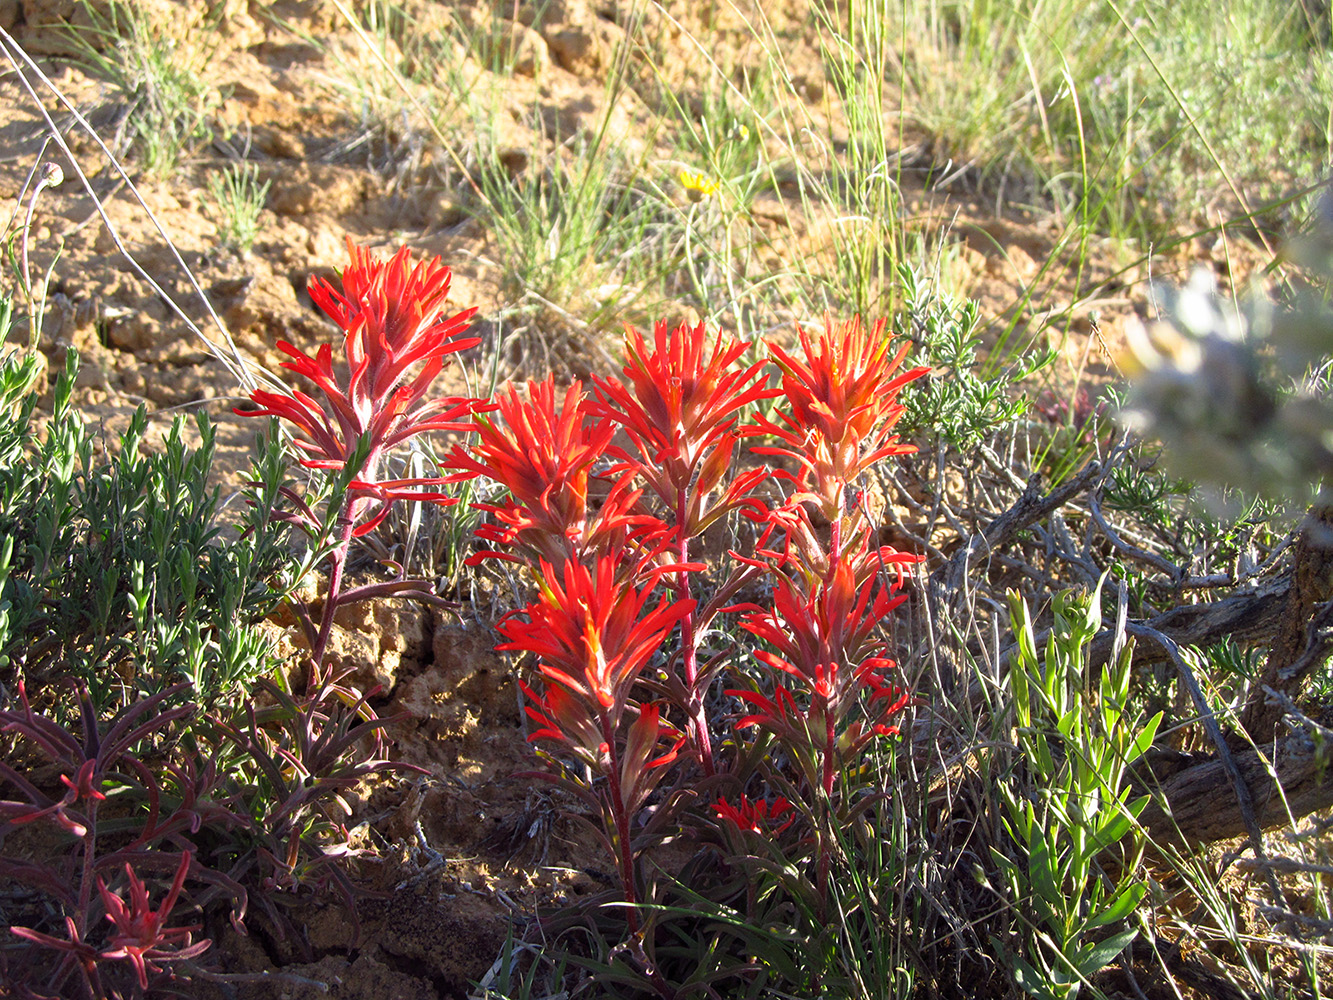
<point x="1289" y="663"/>
<point x="1198" y="805"/>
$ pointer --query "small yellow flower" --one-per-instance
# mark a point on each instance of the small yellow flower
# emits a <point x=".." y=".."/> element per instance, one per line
<point x="745" y="133"/>
<point x="697" y="186"/>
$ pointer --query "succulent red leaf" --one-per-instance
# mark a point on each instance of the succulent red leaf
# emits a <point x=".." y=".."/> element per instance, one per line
<point x="142" y="936"/>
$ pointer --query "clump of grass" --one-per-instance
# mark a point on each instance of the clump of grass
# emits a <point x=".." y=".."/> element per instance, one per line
<point x="1132" y="118"/>
<point x="582" y="236"/>
<point x="238" y="198"/>
<point x="168" y="106"/>
<point x="1198" y="90"/>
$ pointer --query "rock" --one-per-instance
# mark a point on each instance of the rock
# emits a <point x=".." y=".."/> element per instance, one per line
<point x="441" y="210"/>
<point x="504" y="46"/>
<point x="578" y="39"/>
<point x="372" y="642"/>
<point x="809" y="87"/>
<point x="530" y="54"/>
<point x="326" y="247"/>
<point x="306" y="188"/>
<point x="514" y="160"/>
<point x="468" y="680"/>
<point x="260" y="308"/>
<point x="280" y="144"/>
<point x="467" y="660"/>
<point x="138" y="329"/>
<point x="71" y="27"/>
<point x="311" y="18"/>
<point x="455" y="942"/>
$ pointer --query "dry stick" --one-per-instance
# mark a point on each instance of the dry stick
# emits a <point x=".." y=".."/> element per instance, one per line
<point x="1284" y="865"/>
<point x="1029" y="508"/>
<point x="235" y="363"/>
<point x="1176" y="577"/>
<point x="1314" y="923"/>
<point x="27" y="183"/>
<point x="1289" y="662"/>
<point x="1214" y="731"/>
<point x="948" y="586"/>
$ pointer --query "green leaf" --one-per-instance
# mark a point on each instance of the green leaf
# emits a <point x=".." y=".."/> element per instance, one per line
<point x="1120" y="907"/>
<point x="1144" y="739"/>
<point x="1045" y="985"/>
<point x="1041" y="868"/>
<point x="1112" y="828"/>
<point x="1095" y="957"/>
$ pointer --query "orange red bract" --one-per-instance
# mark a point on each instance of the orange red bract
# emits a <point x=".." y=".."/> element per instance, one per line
<point x="543" y="452"/>
<point x="593" y="633"/>
<point x="392" y="315"/>
<point x="681" y="400"/>
<point x="396" y="339"/>
<point x="844" y="404"/>
<point x="759" y="816"/>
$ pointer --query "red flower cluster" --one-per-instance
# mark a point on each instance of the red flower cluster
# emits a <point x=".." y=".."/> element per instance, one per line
<point x="830" y="593"/>
<point x="544" y="452"/>
<point x="391" y="315"/>
<point x="606" y="498"/>
<point x="592" y="632"/>
<point x="844" y="404"/>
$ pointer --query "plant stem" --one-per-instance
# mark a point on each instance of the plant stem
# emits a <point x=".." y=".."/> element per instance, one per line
<point x="835" y="556"/>
<point x="620" y="820"/>
<point x="829" y="818"/>
<point x="337" y="561"/>
<point x="89" y="869"/>
<point x="697" y="712"/>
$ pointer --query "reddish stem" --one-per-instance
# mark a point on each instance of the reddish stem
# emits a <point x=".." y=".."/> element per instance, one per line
<point x="352" y="508"/>
<point x="835" y="546"/>
<point x="697" y="713"/>
<point x="620" y="818"/>
<point x="337" y="561"/>
<point x="89" y="868"/>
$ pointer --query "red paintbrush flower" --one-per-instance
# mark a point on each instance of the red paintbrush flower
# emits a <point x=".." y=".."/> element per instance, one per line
<point x="593" y="634"/>
<point x="834" y="624"/>
<point x="844" y="403"/>
<point x="543" y="451"/>
<point x="758" y="816"/>
<point x="679" y="408"/>
<point x="592" y="631"/>
<point x="391" y="314"/>
<point x="826" y="640"/>
<point x="393" y="317"/>
<point x="564" y="718"/>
